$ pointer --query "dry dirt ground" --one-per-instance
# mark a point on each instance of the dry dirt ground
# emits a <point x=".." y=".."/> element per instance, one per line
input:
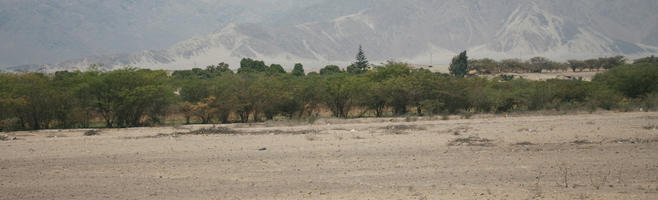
<point x="581" y="156"/>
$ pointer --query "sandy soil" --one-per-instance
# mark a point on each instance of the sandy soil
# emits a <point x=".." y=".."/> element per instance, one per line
<point x="588" y="156"/>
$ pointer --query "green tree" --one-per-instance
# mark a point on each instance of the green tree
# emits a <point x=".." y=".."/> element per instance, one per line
<point x="330" y="69"/>
<point x="540" y="63"/>
<point x="485" y="65"/>
<point x="459" y="65"/>
<point x="275" y="69"/>
<point x="633" y="81"/>
<point x="308" y="92"/>
<point x="298" y="70"/>
<point x="576" y="65"/>
<point x="511" y="65"/>
<point x="650" y="59"/>
<point x="194" y="90"/>
<point x="224" y="90"/>
<point x="124" y="97"/>
<point x="339" y="93"/>
<point x="248" y="65"/>
<point x="592" y="64"/>
<point x="361" y="63"/>
<point x="610" y="62"/>
<point x="398" y="90"/>
<point x="219" y="69"/>
<point x="361" y="60"/>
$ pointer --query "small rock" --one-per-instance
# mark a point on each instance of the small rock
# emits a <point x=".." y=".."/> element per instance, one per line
<point x="262" y="149"/>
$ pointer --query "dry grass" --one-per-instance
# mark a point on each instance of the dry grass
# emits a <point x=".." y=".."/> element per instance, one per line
<point x="92" y="132"/>
<point x="282" y="132"/>
<point x="581" y="142"/>
<point x="209" y="131"/>
<point x="650" y="127"/>
<point x="472" y="141"/>
<point x="402" y="129"/>
<point x="636" y="140"/>
<point x="311" y="137"/>
<point x="202" y="131"/>
<point x="525" y="143"/>
<point x="227" y="131"/>
<point x="459" y="130"/>
<point x="527" y="130"/>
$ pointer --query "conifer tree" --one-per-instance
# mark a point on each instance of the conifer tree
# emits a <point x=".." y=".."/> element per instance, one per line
<point x="361" y="63"/>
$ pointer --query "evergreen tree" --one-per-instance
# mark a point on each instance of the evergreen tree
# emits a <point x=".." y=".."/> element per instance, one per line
<point x="459" y="65"/>
<point x="361" y="63"/>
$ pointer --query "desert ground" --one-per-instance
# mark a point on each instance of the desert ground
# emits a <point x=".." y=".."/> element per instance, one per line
<point x="605" y="155"/>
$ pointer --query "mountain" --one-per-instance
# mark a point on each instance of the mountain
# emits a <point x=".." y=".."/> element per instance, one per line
<point x="417" y="31"/>
<point x="532" y="31"/>
<point x="46" y="31"/>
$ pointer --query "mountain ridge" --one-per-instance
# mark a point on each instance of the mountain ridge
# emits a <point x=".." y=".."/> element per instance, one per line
<point x="414" y="31"/>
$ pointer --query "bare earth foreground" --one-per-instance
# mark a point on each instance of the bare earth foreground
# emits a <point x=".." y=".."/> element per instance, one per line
<point x="588" y="156"/>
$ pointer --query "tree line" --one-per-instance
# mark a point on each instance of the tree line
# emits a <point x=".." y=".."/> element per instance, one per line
<point x="541" y="64"/>
<point x="257" y="92"/>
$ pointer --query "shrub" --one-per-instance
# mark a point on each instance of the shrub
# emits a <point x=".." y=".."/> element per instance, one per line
<point x="650" y="102"/>
<point x="8" y="125"/>
<point x="631" y="80"/>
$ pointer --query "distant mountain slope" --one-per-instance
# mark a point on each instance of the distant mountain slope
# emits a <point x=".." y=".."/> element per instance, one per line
<point x="46" y="31"/>
<point x="531" y="31"/>
<point x="328" y="32"/>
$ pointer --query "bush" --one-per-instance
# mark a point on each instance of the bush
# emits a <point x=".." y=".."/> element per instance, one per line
<point x="631" y="80"/>
<point x="650" y="102"/>
<point x="603" y="97"/>
<point x="8" y="125"/>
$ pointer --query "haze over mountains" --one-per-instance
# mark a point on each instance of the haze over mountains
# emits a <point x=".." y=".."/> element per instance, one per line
<point x="317" y="32"/>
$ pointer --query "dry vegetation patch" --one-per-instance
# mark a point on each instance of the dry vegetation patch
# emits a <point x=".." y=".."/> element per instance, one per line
<point x="472" y="141"/>
<point x="91" y="132"/>
<point x="208" y="131"/>
<point x="202" y="131"/>
<point x="227" y="131"/>
<point x="524" y="143"/>
<point x="281" y="132"/>
<point x="581" y="142"/>
<point x="402" y="129"/>
<point x="636" y="140"/>
<point x="530" y="130"/>
<point x="458" y="130"/>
